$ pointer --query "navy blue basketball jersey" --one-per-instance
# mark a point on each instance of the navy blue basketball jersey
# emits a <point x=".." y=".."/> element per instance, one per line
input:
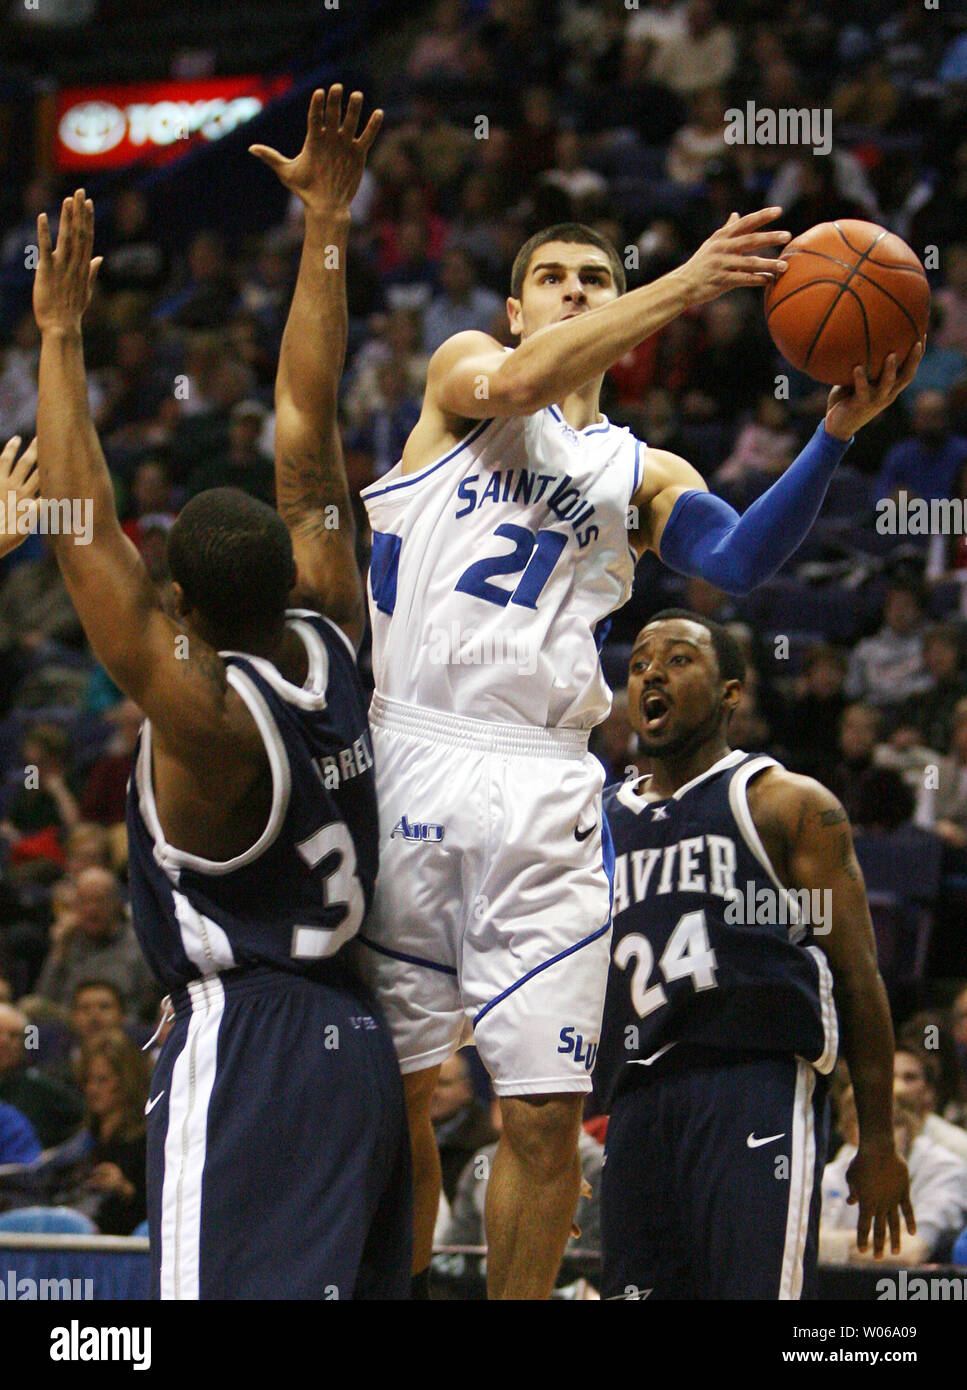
<point x="708" y="947"/>
<point x="303" y="888"/>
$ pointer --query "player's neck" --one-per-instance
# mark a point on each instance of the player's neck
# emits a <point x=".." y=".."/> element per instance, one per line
<point x="671" y="773"/>
<point x="581" y="408"/>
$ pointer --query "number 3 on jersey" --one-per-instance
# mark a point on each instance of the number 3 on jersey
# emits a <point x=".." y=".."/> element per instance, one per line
<point x="533" y="557"/>
<point x="687" y="953"/>
<point x="341" y="888"/>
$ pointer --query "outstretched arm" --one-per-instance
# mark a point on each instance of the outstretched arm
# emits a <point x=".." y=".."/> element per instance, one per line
<point x="104" y="574"/>
<point x="19" y="485"/>
<point x="819" y="855"/>
<point x="699" y="534"/>
<point x="311" y="488"/>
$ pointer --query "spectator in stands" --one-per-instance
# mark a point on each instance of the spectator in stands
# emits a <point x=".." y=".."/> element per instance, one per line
<point x="105" y="792"/>
<point x="868" y="99"/>
<point x="931" y="1030"/>
<point x="44" y="809"/>
<point x="952" y="299"/>
<point x="930" y="715"/>
<point x="135" y="260"/>
<point x="942" y="369"/>
<point x="395" y="335"/>
<point x="151" y="495"/>
<point x="438" y="54"/>
<point x="888" y="668"/>
<point x="615" y="743"/>
<point x="243" y="464"/>
<point x="950" y="803"/>
<point x="938" y="1192"/>
<point x="715" y="390"/>
<point x="927" y="463"/>
<point x="18" y="1141"/>
<point x="655" y="24"/>
<point x="916" y="1082"/>
<point x="699" y="141"/>
<point x="210" y="291"/>
<point x="958" y="1030"/>
<point x="98" y="943"/>
<point x="135" y="386"/>
<point x="115" y="1082"/>
<point x="764" y="448"/>
<point x="54" y="1110"/>
<point x="88" y="847"/>
<point x="461" y="1123"/>
<point x="383" y="433"/>
<point x="462" y="304"/>
<point x="815" y="708"/>
<point x="572" y="176"/>
<point x="412" y="282"/>
<point x="35" y="609"/>
<point x="703" y="56"/>
<point x="859" y="731"/>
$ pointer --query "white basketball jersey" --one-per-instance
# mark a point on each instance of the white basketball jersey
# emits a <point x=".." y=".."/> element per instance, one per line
<point x="494" y="569"/>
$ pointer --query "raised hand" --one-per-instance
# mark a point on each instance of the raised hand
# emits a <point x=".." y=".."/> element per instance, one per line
<point x="19" y="477"/>
<point x="730" y="259"/>
<point x="849" y="408"/>
<point x="326" y="172"/>
<point x="65" y="276"/>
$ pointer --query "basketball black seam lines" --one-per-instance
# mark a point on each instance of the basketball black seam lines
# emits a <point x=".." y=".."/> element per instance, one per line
<point x="844" y="288"/>
<point x="825" y="256"/>
<point x="887" y="265"/>
<point x="846" y="285"/>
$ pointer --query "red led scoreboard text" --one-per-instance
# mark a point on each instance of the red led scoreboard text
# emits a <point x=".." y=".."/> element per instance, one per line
<point x="152" y="122"/>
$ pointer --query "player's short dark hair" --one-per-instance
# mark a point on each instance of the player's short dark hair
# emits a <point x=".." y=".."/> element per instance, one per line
<point x="574" y="234"/>
<point x="232" y="556"/>
<point x="728" y="653"/>
<point x="83" y="986"/>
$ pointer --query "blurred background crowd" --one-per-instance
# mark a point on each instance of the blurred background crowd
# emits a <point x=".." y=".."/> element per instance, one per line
<point x="503" y="116"/>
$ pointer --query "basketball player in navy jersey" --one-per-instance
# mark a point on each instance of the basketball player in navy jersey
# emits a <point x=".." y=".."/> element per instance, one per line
<point x="743" y="958"/>
<point x="278" y="1163"/>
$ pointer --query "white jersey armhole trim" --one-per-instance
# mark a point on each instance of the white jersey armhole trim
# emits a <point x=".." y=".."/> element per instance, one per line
<point x="825" y="1063"/>
<point x="311" y="695"/>
<point x="173" y="860"/>
<point x="400" y="480"/>
<point x="739" y="802"/>
<point x="313" y="613"/>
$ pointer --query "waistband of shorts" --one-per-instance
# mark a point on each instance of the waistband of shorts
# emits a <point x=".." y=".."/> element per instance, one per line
<point x="254" y="979"/>
<point x="511" y="740"/>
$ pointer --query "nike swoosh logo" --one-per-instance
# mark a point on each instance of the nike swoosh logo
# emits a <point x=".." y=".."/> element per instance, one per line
<point x="152" y="1103"/>
<point x="581" y="835"/>
<point x="755" y="1143"/>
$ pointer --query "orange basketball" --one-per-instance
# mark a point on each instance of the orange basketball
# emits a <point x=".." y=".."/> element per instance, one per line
<point x="853" y="294"/>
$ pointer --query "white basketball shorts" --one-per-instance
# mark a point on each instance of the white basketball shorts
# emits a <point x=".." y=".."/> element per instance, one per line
<point x="491" y="921"/>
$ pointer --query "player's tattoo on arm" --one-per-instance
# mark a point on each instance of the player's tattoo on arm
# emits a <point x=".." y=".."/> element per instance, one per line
<point x="835" y="816"/>
<point x="306" y="486"/>
<point x="847" y="859"/>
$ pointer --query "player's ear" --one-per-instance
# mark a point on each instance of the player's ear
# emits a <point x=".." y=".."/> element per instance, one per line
<point x="515" y="315"/>
<point x="174" y="602"/>
<point x="731" y="695"/>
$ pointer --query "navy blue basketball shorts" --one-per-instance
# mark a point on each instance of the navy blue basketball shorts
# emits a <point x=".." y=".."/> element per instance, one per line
<point x="711" y="1183"/>
<point x="278" y="1151"/>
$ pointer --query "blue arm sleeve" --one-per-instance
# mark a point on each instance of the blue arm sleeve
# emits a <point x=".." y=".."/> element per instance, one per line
<point x="706" y="537"/>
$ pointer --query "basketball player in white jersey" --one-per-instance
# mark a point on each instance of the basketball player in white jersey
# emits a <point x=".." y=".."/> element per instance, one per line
<point x="503" y="538"/>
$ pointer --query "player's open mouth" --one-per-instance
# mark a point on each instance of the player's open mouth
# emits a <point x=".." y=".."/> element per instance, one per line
<point x="655" y="709"/>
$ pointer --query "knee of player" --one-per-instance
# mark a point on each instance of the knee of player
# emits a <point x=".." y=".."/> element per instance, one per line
<point x="543" y="1132"/>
